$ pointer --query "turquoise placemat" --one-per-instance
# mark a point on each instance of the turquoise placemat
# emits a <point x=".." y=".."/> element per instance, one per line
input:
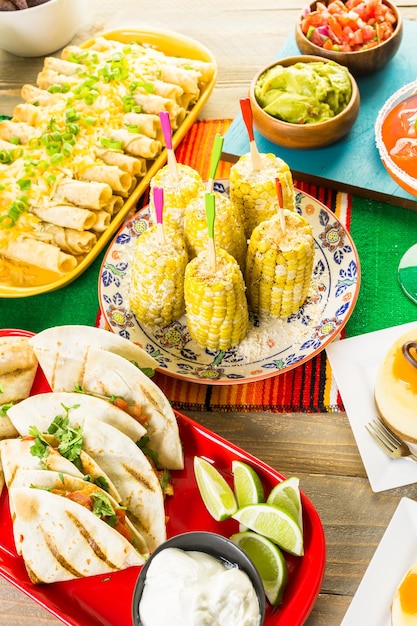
<point x="352" y="164"/>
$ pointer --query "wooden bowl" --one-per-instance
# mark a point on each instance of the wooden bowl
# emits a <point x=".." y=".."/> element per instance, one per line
<point x="361" y="62"/>
<point x="303" y="136"/>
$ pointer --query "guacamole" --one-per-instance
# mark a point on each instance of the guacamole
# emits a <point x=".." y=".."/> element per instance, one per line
<point x="304" y="93"/>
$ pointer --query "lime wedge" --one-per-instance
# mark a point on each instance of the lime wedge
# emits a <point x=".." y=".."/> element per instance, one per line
<point x="276" y="525"/>
<point x="216" y="493"/>
<point x="268" y="560"/>
<point x="286" y="496"/>
<point x="247" y="484"/>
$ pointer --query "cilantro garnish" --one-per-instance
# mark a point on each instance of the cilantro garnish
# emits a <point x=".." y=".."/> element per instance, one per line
<point x="100" y="481"/>
<point x="143" y="445"/>
<point x="70" y="439"/>
<point x="103" y="508"/>
<point x="4" y="408"/>
<point x="40" y="447"/>
<point x="165" y="479"/>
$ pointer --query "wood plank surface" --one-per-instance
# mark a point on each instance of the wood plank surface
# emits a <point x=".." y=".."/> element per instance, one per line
<point x="319" y="448"/>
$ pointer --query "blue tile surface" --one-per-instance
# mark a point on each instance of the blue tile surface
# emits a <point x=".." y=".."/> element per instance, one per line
<point x="352" y="164"/>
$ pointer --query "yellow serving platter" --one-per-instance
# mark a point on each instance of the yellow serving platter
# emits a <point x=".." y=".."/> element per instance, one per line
<point x="170" y="43"/>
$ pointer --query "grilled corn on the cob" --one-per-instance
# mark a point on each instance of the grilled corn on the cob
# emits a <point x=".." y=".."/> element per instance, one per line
<point x="156" y="293"/>
<point x="254" y="191"/>
<point x="217" y="311"/>
<point x="279" y="265"/>
<point x="229" y="232"/>
<point x="177" y="193"/>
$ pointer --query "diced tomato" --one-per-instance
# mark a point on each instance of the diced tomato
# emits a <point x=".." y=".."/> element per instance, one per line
<point x="357" y="38"/>
<point x="351" y="25"/>
<point x="368" y="33"/>
<point x="121" y="525"/>
<point x="328" y="44"/>
<point x="313" y="19"/>
<point x="335" y="27"/>
<point x="134" y="410"/>
<point x="81" y="498"/>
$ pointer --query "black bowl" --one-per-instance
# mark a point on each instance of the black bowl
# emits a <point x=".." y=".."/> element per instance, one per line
<point x="213" y="544"/>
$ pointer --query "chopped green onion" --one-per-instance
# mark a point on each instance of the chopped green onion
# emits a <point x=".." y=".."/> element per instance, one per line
<point x="5" y="156"/>
<point x="133" y="128"/>
<point x="16" y="208"/>
<point x="57" y="158"/>
<point x="71" y="115"/>
<point x="89" y="120"/>
<point x="114" y="144"/>
<point x="67" y="149"/>
<point x="24" y="184"/>
<point x="50" y="179"/>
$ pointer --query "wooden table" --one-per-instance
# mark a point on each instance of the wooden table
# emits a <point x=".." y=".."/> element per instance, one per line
<point x="319" y="448"/>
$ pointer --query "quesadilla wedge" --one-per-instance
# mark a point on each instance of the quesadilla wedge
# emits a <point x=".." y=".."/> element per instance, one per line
<point x="106" y="374"/>
<point x="85" y="494"/>
<point x="62" y="339"/>
<point x="117" y="455"/>
<point x="62" y="540"/>
<point x="19" y="454"/>
<point x="83" y="407"/>
<point x="18" y="365"/>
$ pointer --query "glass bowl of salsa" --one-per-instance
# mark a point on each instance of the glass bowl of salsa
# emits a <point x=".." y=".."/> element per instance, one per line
<point x="396" y="137"/>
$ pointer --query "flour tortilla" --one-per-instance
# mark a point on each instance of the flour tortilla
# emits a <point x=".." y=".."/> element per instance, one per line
<point x="40" y="407"/>
<point x="62" y="540"/>
<point x="18" y="365"/>
<point x="63" y="339"/>
<point x="68" y="364"/>
<point x="116" y="454"/>
<point x="395" y="400"/>
<point x="59" y="481"/>
<point x="16" y="456"/>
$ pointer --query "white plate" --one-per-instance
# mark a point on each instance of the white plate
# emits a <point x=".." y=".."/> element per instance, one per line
<point x="354" y="363"/>
<point x="276" y="348"/>
<point x="395" y="554"/>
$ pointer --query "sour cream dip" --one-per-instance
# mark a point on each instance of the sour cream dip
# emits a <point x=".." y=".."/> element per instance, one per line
<point x="191" y="588"/>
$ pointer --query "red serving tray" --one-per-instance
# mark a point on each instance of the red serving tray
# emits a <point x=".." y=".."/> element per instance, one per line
<point x="106" y="600"/>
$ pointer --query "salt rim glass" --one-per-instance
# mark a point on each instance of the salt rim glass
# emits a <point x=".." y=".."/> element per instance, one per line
<point x="397" y="173"/>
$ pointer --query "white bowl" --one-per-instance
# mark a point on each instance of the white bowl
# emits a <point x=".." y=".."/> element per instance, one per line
<point x="41" y="29"/>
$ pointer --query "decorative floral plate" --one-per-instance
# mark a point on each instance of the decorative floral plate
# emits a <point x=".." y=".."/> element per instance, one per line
<point x="269" y="349"/>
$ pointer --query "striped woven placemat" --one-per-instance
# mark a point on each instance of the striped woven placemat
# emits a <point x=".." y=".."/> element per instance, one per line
<point x="307" y="388"/>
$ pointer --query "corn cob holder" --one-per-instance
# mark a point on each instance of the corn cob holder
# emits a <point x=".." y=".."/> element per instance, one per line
<point x="279" y="265"/>
<point x="181" y="183"/>
<point x="214" y="291"/>
<point x="156" y="292"/>
<point x="214" y="163"/>
<point x="280" y="205"/>
<point x="167" y="133"/>
<point x="229" y="232"/>
<point x="246" y="109"/>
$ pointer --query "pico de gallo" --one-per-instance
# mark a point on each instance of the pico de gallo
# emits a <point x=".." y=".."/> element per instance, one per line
<point x="349" y="26"/>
